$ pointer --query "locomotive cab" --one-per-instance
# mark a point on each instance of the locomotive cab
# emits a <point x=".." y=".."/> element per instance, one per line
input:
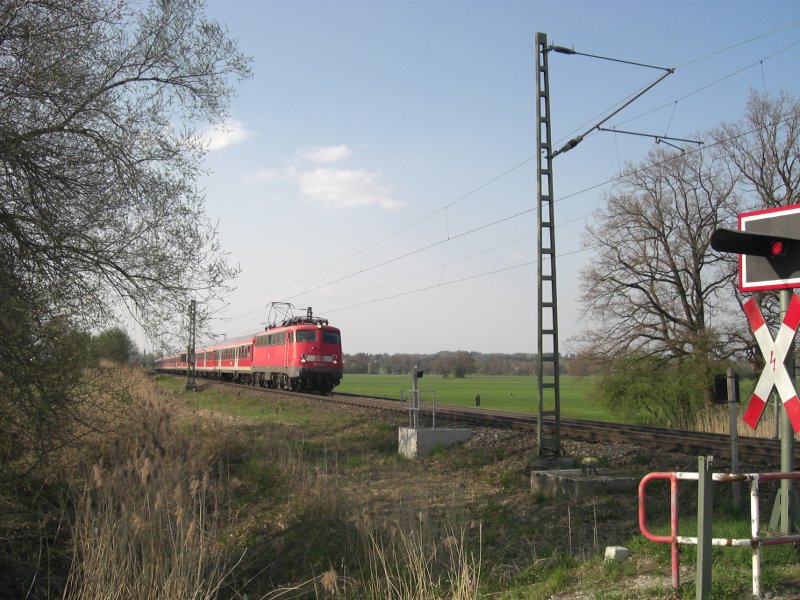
<point x="316" y="352"/>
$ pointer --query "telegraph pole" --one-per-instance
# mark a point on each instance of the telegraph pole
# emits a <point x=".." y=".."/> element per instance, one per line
<point x="190" y="349"/>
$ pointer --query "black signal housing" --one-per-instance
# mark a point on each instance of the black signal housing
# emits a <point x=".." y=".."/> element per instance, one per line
<point x="769" y="246"/>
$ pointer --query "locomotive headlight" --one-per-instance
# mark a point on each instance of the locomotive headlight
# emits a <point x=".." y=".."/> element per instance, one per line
<point x="303" y="359"/>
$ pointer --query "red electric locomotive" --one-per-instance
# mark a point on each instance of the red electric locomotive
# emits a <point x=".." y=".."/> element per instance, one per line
<point x="302" y="353"/>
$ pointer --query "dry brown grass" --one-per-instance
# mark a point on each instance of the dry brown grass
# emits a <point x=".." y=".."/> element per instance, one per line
<point x="147" y="518"/>
<point x="716" y="419"/>
<point x="417" y="561"/>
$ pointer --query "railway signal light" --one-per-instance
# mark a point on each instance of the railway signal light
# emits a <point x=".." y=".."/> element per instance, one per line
<point x="753" y="244"/>
<point x="769" y="257"/>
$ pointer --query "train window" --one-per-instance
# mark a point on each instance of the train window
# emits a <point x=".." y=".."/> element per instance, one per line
<point x="306" y="335"/>
<point x="261" y="341"/>
<point x="331" y="337"/>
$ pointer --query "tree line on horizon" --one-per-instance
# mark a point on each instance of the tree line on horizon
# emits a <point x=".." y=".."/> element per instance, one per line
<point x="458" y="363"/>
<point x="461" y="363"/>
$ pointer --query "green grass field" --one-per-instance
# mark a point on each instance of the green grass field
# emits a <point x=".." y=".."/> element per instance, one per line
<point x="511" y="393"/>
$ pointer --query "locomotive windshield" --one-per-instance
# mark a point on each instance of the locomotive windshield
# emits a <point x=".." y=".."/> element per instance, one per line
<point x="306" y="335"/>
<point x="331" y="337"/>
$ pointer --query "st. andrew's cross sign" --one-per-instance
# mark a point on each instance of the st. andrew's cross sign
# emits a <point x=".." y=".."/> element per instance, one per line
<point x="774" y="373"/>
<point x="768" y="244"/>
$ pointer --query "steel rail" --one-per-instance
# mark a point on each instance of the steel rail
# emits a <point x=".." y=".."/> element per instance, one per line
<point x="754" y="449"/>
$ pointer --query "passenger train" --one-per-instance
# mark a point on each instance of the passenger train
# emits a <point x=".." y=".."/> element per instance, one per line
<point x="302" y="354"/>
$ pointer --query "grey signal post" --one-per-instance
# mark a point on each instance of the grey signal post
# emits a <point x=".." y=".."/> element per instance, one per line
<point x="415" y="375"/>
<point x="776" y="271"/>
<point x="784" y="511"/>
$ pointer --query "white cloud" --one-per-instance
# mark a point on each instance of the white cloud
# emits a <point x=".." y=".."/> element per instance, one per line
<point x="331" y="187"/>
<point x="327" y="154"/>
<point x="340" y="188"/>
<point x="225" y="134"/>
<point x="287" y="174"/>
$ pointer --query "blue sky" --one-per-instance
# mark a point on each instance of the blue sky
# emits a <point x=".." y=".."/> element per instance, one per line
<point x="375" y="135"/>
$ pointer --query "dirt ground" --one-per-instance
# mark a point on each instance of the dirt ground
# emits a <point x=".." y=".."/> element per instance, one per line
<point x="483" y="487"/>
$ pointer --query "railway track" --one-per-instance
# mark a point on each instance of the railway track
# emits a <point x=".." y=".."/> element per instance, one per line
<point x="759" y="450"/>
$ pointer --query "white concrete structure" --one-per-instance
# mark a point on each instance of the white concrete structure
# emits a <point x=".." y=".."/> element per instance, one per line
<point x="415" y="443"/>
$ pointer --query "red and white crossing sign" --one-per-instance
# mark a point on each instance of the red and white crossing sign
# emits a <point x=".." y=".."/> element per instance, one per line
<point x="774" y="373"/>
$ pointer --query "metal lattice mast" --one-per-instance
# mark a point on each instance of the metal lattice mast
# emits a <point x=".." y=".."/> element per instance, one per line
<point x="547" y="302"/>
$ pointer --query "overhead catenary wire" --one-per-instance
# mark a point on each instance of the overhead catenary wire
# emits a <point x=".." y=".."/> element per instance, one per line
<point x="453" y="281"/>
<point x="738" y="44"/>
<point x="521" y="213"/>
<point x="530" y="159"/>
<point x="430" y="215"/>
<point x="420" y="249"/>
<point x="698" y="90"/>
<point x="575" y="219"/>
<point x="439" y="267"/>
<point x="709" y="85"/>
<point x="624" y="102"/>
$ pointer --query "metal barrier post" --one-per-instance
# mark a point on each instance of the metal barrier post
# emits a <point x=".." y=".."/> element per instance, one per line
<point x="673" y="512"/>
<point x="673" y="530"/>
<point x="755" y="541"/>
<point x="705" y="506"/>
<point x="755" y="527"/>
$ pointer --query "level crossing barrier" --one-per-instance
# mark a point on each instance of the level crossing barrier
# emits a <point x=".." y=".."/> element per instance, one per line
<point x="755" y="542"/>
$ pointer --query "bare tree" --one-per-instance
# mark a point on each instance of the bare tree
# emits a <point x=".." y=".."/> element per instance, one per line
<point x="99" y="103"/>
<point x="100" y="212"/>
<point x="653" y="285"/>
<point x="765" y="148"/>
